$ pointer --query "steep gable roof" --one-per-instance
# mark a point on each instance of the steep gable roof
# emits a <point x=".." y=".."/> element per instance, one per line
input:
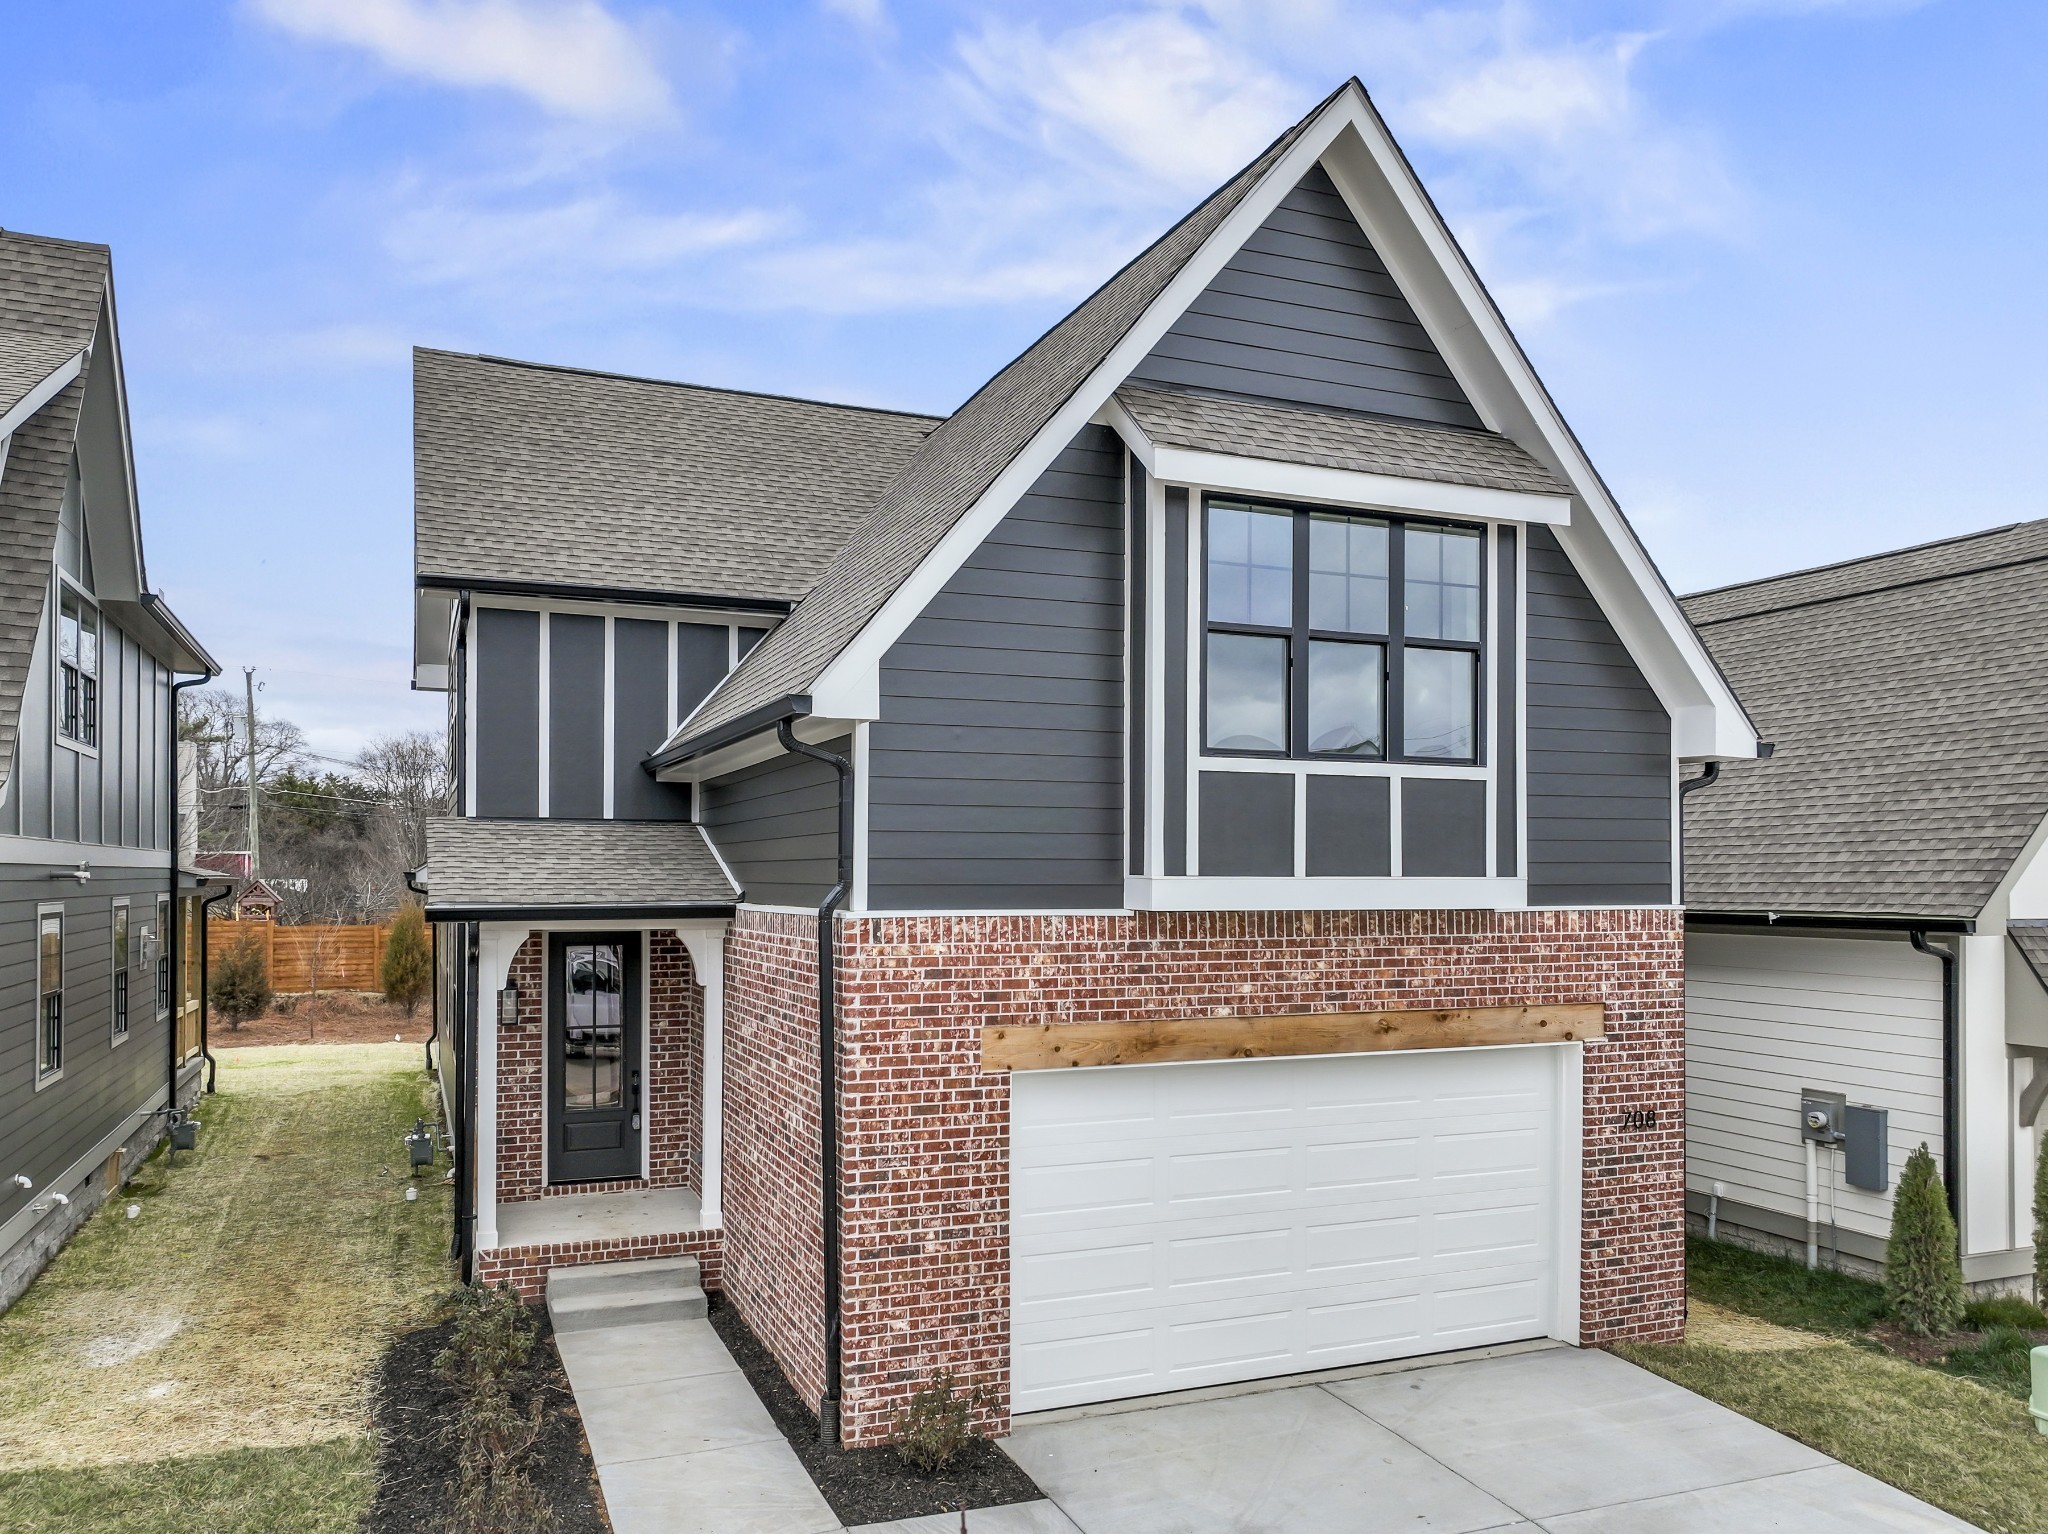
<point x="1906" y="696"/>
<point x="555" y="476"/>
<point x="962" y="458"/>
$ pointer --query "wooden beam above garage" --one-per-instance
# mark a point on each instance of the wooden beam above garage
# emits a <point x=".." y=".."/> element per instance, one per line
<point x="1047" y="1046"/>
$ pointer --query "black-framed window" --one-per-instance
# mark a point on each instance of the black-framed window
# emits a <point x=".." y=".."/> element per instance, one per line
<point x="121" y="965"/>
<point x="78" y="669"/>
<point x="49" y="994"/>
<point x="1346" y="636"/>
<point x="163" y="957"/>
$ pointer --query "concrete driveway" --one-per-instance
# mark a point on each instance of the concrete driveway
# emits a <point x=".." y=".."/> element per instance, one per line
<point x="1556" y="1439"/>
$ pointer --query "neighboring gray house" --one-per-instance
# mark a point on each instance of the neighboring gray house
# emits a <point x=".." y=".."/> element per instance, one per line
<point x="100" y="1018"/>
<point x="1867" y="912"/>
<point x="1250" y="694"/>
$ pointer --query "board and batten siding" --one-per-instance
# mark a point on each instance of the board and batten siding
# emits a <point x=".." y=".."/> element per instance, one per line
<point x="1307" y="313"/>
<point x="995" y="774"/>
<point x="1599" y="750"/>
<point x="1767" y="1015"/>
<point x="776" y="824"/>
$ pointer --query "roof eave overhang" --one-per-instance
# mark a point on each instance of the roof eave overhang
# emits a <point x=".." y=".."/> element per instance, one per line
<point x="188" y="654"/>
<point x="1868" y="921"/>
<point x="618" y="911"/>
<point x="41" y="394"/>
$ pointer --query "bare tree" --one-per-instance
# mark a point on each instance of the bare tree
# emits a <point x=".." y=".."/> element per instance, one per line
<point x="212" y="721"/>
<point x="409" y="772"/>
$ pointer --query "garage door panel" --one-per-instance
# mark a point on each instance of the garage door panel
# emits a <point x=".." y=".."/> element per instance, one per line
<point x="1358" y="1208"/>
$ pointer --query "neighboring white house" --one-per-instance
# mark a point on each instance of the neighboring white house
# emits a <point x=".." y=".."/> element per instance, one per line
<point x="1867" y="911"/>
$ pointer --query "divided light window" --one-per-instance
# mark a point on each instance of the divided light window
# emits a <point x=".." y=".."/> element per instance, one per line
<point x="1341" y="636"/>
<point x="163" y="957"/>
<point x="78" y="668"/>
<point x="49" y="994"/>
<point x="121" y="965"/>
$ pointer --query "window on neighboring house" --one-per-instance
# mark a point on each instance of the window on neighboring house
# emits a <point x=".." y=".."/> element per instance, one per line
<point x="1340" y="636"/>
<point x="121" y="968"/>
<point x="49" y="994"/>
<point x="78" y="667"/>
<point x="163" y="958"/>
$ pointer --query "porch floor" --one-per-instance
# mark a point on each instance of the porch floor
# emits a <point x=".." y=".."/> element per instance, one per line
<point x="599" y="1217"/>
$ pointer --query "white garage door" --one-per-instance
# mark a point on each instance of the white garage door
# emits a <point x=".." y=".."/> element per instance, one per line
<point x="1185" y="1225"/>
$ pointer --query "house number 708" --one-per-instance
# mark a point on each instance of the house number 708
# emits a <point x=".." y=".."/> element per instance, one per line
<point x="1638" y="1118"/>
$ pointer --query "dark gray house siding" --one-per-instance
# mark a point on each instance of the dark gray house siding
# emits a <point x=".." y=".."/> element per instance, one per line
<point x="996" y="769"/>
<point x="104" y="1085"/>
<point x="1599" y="769"/>
<point x="776" y="824"/>
<point x="1306" y="312"/>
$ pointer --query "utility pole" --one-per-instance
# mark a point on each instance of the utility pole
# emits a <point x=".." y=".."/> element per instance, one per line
<point x="255" y="846"/>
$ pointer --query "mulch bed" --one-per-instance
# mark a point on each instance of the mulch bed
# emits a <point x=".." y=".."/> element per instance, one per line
<point x="332" y="1017"/>
<point x="869" y="1485"/>
<point x="416" y="1472"/>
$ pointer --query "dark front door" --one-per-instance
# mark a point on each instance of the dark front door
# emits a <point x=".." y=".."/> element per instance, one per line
<point x="593" y="1056"/>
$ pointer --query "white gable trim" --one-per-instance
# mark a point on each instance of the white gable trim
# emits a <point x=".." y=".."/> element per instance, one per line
<point x="1339" y="487"/>
<point x="41" y="394"/>
<point x="1373" y="176"/>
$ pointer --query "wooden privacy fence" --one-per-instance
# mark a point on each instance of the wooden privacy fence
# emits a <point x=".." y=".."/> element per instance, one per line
<point x="309" y="958"/>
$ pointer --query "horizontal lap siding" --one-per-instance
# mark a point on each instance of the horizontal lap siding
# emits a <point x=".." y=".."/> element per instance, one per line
<point x="1767" y="1016"/>
<point x="995" y="772"/>
<point x="1599" y="750"/>
<point x="777" y="826"/>
<point x="1307" y="312"/>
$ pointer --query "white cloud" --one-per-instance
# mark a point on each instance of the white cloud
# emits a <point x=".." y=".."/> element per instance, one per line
<point x="571" y="57"/>
<point x="871" y="14"/>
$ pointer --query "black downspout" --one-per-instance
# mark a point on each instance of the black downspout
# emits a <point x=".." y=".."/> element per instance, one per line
<point x="465" y="1182"/>
<point x="1951" y="1114"/>
<point x="828" y="1070"/>
<point x="205" y="997"/>
<point x="172" y="944"/>
<point x="433" y="942"/>
<point x="1709" y="776"/>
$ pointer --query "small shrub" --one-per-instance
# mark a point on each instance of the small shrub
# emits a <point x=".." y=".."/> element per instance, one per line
<point x="408" y="969"/>
<point x="2004" y="1310"/>
<point x="938" y="1423"/>
<point x="1923" y="1277"/>
<point x="2002" y="1360"/>
<point x="239" y="987"/>
<point x="493" y="1338"/>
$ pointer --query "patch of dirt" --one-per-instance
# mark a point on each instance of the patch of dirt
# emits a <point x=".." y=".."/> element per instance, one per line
<point x="412" y="1408"/>
<point x="869" y="1485"/>
<point x="332" y="1017"/>
<point x="1711" y="1326"/>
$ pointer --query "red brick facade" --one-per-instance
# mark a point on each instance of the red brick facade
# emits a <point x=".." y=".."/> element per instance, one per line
<point x="526" y="1268"/>
<point x="924" y="1131"/>
<point x="672" y="1077"/>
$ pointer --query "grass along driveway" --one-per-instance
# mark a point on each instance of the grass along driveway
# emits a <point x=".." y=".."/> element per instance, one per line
<point x="1787" y="1348"/>
<point x="206" y="1365"/>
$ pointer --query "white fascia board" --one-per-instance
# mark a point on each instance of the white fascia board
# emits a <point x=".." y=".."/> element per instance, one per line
<point x="1349" y="487"/>
<point x="812" y="729"/>
<point x="433" y="638"/>
<point x="1283" y="893"/>
<point x="850" y="685"/>
<point x="1453" y="306"/>
<point x="41" y="394"/>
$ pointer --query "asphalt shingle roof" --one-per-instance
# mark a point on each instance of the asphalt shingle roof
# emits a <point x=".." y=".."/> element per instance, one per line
<point x="963" y="457"/>
<point x="531" y="473"/>
<point x="1907" y="699"/>
<point x="527" y="863"/>
<point x="50" y="292"/>
<point x="2031" y="939"/>
<point x="1334" y="440"/>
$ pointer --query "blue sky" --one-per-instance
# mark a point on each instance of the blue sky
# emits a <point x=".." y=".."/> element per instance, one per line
<point x="1777" y="259"/>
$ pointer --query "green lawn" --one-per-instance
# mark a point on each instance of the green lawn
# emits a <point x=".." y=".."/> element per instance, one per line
<point x="205" y="1365"/>
<point x="1796" y="1361"/>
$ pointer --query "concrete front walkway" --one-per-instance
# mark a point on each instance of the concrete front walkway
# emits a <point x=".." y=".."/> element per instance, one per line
<point x="1552" y="1441"/>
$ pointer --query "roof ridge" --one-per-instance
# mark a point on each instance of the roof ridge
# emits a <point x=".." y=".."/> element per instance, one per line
<point x="1934" y="578"/>
<point x="674" y="383"/>
<point x="1860" y="559"/>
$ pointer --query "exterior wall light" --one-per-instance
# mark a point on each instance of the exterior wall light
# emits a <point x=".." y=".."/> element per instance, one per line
<point x="508" y="1005"/>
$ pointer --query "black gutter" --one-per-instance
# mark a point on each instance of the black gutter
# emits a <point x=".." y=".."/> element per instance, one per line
<point x="1951" y="1106"/>
<point x="1707" y="779"/>
<point x="1831" y="921"/>
<point x="774" y="607"/>
<point x="172" y="939"/>
<point x="828" y="1071"/>
<point x="160" y="610"/>
<point x="440" y="913"/>
<point x="752" y="722"/>
<point x="205" y="982"/>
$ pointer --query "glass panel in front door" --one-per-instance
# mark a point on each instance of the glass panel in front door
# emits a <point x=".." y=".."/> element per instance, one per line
<point x="593" y="1053"/>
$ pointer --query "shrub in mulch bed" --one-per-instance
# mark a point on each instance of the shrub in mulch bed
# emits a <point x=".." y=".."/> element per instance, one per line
<point x="415" y="1407"/>
<point x="870" y="1485"/>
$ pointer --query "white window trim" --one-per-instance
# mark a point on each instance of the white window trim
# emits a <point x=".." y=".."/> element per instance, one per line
<point x="1302" y="892"/>
<point x="121" y="1036"/>
<point x="50" y="908"/>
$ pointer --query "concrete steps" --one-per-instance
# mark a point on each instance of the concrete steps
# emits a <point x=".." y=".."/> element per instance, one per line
<point x="625" y="1293"/>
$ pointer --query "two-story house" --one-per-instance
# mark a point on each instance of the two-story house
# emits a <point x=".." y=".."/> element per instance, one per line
<point x="1163" y="876"/>
<point x="99" y="1017"/>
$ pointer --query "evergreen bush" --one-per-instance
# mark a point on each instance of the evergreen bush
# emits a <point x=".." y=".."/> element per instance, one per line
<point x="1923" y="1277"/>
<point x="408" y="970"/>
<point x="2041" y="1220"/>
<point x="239" y="986"/>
